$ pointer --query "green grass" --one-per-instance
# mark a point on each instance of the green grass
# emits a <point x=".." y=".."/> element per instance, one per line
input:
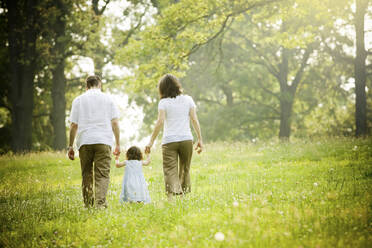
<point x="302" y="194"/>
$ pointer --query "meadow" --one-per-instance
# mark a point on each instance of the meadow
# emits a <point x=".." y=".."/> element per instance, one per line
<point x="302" y="194"/>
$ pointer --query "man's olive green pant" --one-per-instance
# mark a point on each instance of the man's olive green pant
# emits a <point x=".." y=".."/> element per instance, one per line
<point x="97" y="158"/>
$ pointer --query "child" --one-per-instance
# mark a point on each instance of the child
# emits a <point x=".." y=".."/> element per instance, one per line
<point x="134" y="187"/>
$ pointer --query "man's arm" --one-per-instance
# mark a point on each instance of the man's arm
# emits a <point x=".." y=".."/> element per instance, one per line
<point x="158" y="126"/>
<point x="73" y="131"/>
<point x="116" y="130"/>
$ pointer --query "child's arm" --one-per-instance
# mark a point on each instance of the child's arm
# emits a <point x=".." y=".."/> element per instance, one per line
<point x="118" y="164"/>
<point x="148" y="160"/>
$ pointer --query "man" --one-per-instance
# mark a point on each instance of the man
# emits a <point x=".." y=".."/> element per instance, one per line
<point x="94" y="118"/>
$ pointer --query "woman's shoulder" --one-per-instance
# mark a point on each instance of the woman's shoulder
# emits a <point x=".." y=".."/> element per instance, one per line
<point x="187" y="97"/>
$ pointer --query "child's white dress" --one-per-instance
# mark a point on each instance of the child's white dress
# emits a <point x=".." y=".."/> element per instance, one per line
<point x="134" y="187"/>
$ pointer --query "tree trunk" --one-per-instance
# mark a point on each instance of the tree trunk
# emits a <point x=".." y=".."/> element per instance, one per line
<point x="288" y="91"/>
<point x="286" y="100"/>
<point x="22" y="51"/>
<point x="98" y="66"/>
<point x="286" y="104"/>
<point x="360" y="71"/>
<point x="58" y="115"/>
<point x="59" y="107"/>
<point x="98" y="59"/>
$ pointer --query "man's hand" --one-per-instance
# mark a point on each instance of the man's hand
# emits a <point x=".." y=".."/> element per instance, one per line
<point x="71" y="153"/>
<point x="70" y="149"/>
<point x="199" y="147"/>
<point x="117" y="151"/>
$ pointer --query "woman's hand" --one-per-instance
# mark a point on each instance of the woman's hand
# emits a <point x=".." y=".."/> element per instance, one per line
<point x="148" y="148"/>
<point x="199" y="147"/>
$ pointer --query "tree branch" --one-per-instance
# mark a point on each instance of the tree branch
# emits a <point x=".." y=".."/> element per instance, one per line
<point x="266" y="61"/>
<point x="208" y="100"/>
<point x="136" y="27"/>
<point x="98" y="11"/>
<point x="338" y="56"/>
<point x="260" y="104"/>
<point x="224" y="24"/>
<point x="197" y="46"/>
<point x="300" y="71"/>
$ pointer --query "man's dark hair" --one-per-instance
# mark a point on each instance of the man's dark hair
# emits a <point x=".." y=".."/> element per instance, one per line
<point x="93" y="81"/>
<point x="134" y="153"/>
<point x="169" y="86"/>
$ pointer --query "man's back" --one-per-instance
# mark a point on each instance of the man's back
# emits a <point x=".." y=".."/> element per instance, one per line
<point x="93" y="112"/>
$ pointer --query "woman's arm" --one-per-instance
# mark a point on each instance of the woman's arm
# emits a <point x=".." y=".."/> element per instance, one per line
<point x="148" y="160"/>
<point x="158" y="126"/>
<point x="195" y="123"/>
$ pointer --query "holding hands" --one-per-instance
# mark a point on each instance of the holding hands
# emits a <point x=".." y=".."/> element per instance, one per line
<point x="117" y="154"/>
<point x="148" y="148"/>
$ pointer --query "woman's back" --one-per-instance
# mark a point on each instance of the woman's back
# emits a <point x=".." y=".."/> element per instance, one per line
<point x="177" y="118"/>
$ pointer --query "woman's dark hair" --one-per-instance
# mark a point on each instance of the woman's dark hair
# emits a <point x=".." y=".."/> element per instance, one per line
<point x="169" y="86"/>
<point x="93" y="81"/>
<point x="134" y="153"/>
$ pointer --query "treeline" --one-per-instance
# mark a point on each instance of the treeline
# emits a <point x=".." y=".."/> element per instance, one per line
<point x="41" y="42"/>
<point x="257" y="68"/>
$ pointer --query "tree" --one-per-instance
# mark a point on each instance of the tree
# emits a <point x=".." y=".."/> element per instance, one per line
<point x="280" y="49"/>
<point x="59" y="54"/>
<point x="282" y="60"/>
<point x="360" y="69"/>
<point x="24" y="27"/>
<point x="340" y="51"/>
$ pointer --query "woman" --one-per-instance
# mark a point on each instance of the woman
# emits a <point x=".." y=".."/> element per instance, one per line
<point x="175" y="111"/>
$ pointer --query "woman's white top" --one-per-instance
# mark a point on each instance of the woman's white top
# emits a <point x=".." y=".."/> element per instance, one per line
<point x="177" y="118"/>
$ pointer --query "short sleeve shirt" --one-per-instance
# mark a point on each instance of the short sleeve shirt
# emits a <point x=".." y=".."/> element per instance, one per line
<point x="177" y="118"/>
<point x="93" y="112"/>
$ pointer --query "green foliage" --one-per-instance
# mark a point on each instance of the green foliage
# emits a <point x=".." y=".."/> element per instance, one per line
<point x="229" y="56"/>
<point x="305" y="193"/>
<point x="180" y="30"/>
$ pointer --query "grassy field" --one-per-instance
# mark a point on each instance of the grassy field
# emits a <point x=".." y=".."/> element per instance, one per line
<point x="302" y="194"/>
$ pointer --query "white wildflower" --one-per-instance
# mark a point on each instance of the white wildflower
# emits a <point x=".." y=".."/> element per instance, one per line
<point x="219" y="236"/>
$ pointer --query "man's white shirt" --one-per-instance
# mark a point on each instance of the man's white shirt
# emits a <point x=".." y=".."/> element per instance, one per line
<point x="93" y="112"/>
